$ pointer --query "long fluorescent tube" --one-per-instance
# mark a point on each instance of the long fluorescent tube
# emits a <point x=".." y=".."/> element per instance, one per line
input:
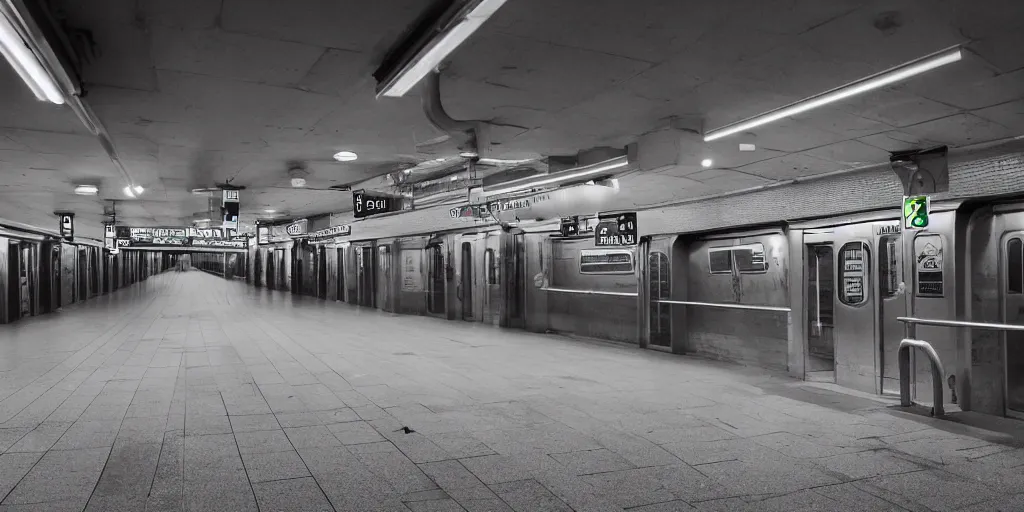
<point x="437" y="50"/>
<point x="27" y="65"/>
<point x="883" y="79"/>
<point x="616" y="163"/>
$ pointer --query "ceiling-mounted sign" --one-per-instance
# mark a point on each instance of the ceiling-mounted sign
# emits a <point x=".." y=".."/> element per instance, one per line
<point x="233" y="244"/>
<point x="229" y="209"/>
<point x="262" y="234"/>
<point x="297" y="228"/>
<point x="365" y="205"/>
<point x="617" y="229"/>
<point x="328" y="234"/>
<point x="570" y="226"/>
<point x="67" y="226"/>
<point x="915" y="212"/>
<point x="109" y="236"/>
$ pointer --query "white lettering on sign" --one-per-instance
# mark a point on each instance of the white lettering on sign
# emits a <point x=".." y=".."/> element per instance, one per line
<point x="376" y="204"/>
<point x="892" y="229"/>
<point x="121" y="242"/>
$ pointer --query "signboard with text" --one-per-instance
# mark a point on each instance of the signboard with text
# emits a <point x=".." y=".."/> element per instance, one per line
<point x="365" y="204"/>
<point x="67" y="226"/>
<point x="616" y="230"/>
<point x="570" y="226"/>
<point x="329" y="234"/>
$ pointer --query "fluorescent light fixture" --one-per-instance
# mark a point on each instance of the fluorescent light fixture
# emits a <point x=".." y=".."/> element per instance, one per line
<point x="883" y="79"/>
<point x="270" y="211"/>
<point x="138" y="189"/>
<point x="298" y="182"/>
<point x="455" y="177"/>
<point x="345" y="156"/>
<point x="748" y="147"/>
<point x="501" y="161"/>
<point x="87" y="190"/>
<point x="532" y="182"/>
<point x="129" y="192"/>
<point x="473" y="16"/>
<point x="27" y="65"/>
<point x="707" y="162"/>
<point x="202" y="220"/>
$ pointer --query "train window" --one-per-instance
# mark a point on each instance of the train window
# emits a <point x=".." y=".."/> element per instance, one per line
<point x="750" y="259"/>
<point x="492" y="266"/>
<point x="606" y="261"/>
<point x="1015" y="266"/>
<point x="888" y="266"/>
<point x="853" y="265"/>
<point x="720" y="260"/>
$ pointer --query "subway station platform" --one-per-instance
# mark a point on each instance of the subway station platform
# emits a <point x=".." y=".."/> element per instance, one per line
<point x="189" y="392"/>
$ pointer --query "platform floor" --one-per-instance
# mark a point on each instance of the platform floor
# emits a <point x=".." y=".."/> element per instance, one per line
<point x="188" y="392"/>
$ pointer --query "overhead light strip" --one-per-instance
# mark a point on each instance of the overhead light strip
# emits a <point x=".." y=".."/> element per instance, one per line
<point x="427" y="59"/>
<point x="26" y="64"/>
<point x="877" y="81"/>
<point x="531" y="182"/>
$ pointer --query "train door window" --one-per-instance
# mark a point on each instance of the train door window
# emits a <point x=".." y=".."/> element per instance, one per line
<point x="659" y="281"/>
<point x="853" y="265"/>
<point x="1015" y="266"/>
<point x="437" y="277"/>
<point x="888" y="266"/>
<point x="492" y="266"/>
<point x="720" y="260"/>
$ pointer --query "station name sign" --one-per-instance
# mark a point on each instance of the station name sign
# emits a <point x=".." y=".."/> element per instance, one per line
<point x="365" y="205"/>
<point x="616" y="230"/>
<point x="485" y="210"/>
<point x="328" y="234"/>
<point x="178" y="237"/>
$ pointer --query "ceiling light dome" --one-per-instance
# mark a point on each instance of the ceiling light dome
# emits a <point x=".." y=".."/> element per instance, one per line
<point x="345" y="156"/>
<point x="87" y="190"/>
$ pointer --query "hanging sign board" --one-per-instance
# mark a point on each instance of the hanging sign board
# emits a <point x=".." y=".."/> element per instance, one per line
<point x="915" y="212"/>
<point x="570" y="226"/>
<point x="328" y="234"/>
<point x="67" y="226"/>
<point x="365" y="205"/>
<point x="109" y="236"/>
<point x="616" y="230"/>
<point x="297" y="228"/>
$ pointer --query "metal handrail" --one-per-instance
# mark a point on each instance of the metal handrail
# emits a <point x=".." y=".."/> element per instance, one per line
<point x="589" y="292"/>
<point x="959" y="323"/>
<point x="938" y="373"/>
<point x="724" y="305"/>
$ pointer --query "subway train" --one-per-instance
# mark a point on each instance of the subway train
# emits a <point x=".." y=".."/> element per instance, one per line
<point x="810" y="279"/>
<point x="41" y="272"/>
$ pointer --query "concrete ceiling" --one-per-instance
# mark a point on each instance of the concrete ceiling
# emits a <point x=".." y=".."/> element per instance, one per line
<point x="198" y="92"/>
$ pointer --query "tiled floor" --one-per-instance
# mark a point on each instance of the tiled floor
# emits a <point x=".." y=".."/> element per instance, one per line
<point x="187" y="392"/>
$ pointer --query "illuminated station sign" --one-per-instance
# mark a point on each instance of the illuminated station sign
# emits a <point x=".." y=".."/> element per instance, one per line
<point x="179" y="237"/>
<point x="616" y="229"/>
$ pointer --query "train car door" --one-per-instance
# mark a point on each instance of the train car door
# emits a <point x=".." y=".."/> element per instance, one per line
<point x="892" y="301"/>
<point x="341" y="273"/>
<point x="513" y="278"/>
<point x="364" y="267"/>
<point x="436" y="279"/>
<point x="321" y="272"/>
<point x="1012" y="292"/>
<point x="466" y="281"/>
<point x="384" y="278"/>
<point x="25" y="279"/>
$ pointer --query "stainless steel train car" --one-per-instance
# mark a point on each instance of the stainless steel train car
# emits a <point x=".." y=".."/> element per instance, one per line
<point x="819" y="298"/>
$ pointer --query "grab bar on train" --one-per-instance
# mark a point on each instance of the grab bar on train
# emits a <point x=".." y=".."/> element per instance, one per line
<point x="724" y="305"/>
<point x="910" y="323"/>
<point x="590" y="292"/>
<point x="937" y="373"/>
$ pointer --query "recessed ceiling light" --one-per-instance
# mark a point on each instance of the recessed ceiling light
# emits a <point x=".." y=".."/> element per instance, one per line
<point x="270" y="211"/>
<point x="706" y="162"/>
<point x="129" y="192"/>
<point x="139" y="189"/>
<point x="345" y="156"/>
<point x="87" y="190"/>
<point x="442" y="159"/>
<point x="748" y="147"/>
<point x="468" y="154"/>
<point x="298" y="182"/>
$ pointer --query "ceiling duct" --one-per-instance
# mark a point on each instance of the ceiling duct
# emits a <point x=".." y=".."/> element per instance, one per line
<point x="466" y="134"/>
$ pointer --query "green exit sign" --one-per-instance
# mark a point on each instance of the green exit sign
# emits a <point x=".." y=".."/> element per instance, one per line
<point x="915" y="212"/>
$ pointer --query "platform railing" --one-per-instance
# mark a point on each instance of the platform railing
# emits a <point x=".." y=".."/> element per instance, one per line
<point x="910" y="341"/>
<point x="589" y="292"/>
